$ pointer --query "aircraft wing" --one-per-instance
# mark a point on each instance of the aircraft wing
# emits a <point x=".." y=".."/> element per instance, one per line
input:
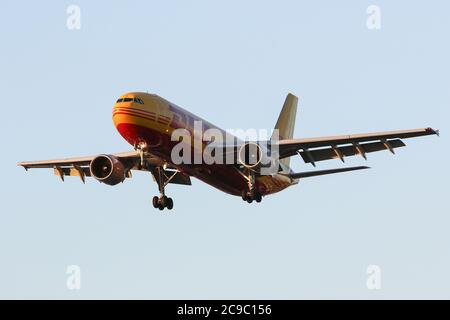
<point x="80" y="161"/>
<point x="338" y="147"/>
<point x="79" y="166"/>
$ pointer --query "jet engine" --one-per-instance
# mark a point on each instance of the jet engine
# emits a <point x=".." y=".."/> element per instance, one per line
<point x="107" y="169"/>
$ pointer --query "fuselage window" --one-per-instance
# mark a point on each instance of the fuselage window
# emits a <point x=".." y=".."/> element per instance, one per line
<point x="127" y="99"/>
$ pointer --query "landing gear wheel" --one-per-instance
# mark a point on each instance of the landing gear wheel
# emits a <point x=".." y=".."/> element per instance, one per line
<point x="169" y="204"/>
<point x="155" y="202"/>
<point x="163" y="201"/>
<point x="247" y="196"/>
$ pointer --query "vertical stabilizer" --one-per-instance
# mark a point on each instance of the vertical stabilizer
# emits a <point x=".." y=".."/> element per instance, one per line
<point x="286" y="121"/>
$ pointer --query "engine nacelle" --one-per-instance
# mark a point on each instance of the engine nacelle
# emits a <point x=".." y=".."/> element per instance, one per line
<point x="107" y="169"/>
<point x="250" y="155"/>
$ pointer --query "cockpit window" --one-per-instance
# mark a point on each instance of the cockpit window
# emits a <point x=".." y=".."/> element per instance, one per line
<point x="138" y="100"/>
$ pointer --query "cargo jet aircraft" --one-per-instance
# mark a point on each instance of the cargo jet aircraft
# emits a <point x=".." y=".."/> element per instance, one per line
<point x="147" y="122"/>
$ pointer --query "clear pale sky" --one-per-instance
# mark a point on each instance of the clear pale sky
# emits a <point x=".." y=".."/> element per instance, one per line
<point x="231" y="62"/>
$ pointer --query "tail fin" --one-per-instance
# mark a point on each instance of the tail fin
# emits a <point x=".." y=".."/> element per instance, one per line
<point x="286" y="121"/>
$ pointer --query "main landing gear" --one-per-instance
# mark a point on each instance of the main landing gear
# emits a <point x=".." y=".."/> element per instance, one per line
<point x="250" y="197"/>
<point x="251" y="194"/>
<point x="162" y="179"/>
<point x="162" y="202"/>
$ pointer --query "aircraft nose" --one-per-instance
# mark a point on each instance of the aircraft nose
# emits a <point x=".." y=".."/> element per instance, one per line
<point x="132" y="112"/>
<point x="123" y="113"/>
<point x="136" y="122"/>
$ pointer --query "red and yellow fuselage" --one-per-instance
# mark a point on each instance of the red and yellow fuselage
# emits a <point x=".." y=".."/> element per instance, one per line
<point x="147" y="119"/>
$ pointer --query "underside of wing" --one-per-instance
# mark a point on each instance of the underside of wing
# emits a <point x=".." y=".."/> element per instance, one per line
<point x="338" y="147"/>
<point x="81" y="166"/>
<point x="80" y="161"/>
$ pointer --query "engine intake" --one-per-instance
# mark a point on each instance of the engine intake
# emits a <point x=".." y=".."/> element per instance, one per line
<point x="107" y="169"/>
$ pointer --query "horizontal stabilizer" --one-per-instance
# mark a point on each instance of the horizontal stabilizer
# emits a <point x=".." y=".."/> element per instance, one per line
<point x="302" y="175"/>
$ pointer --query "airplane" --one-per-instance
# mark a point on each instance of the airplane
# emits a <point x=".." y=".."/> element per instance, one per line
<point x="147" y="121"/>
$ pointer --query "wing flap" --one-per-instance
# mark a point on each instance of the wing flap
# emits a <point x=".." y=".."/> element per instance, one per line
<point x="76" y="170"/>
<point x="73" y="172"/>
<point x="364" y="137"/>
<point x="338" y="147"/>
<point x="347" y="151"/>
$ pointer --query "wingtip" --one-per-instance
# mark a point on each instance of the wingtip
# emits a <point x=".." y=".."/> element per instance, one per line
<point x="433" y="131"/>
<point x="21" y="164"/>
